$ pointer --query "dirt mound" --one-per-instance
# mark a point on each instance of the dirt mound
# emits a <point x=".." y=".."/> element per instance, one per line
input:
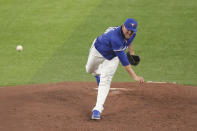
<point x="67" y="106"/>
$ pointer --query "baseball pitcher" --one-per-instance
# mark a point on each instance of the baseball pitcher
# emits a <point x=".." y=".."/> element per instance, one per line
<point x="104" y="56"/>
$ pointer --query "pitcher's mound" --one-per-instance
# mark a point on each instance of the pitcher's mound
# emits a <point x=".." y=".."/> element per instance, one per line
<point x="129" y="107"/>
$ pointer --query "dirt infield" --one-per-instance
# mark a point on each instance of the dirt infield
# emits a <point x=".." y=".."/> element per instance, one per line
<point x="67" y="107"/>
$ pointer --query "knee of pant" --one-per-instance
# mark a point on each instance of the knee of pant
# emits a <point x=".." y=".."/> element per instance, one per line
<point x="88" y="70"/>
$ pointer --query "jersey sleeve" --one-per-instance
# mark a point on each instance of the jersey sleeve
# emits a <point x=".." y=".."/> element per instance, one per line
<point x="122" y="57"/>
<point x="119" y="49"/>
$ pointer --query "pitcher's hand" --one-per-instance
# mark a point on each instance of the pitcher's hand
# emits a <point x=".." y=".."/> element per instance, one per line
<point x="139" y="79"/>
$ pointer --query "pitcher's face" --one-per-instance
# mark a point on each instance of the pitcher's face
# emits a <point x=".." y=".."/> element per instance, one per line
<point x="127" y="33"/>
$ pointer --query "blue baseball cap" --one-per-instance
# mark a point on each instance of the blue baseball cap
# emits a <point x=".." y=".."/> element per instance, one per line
<point x="131" y="24"/>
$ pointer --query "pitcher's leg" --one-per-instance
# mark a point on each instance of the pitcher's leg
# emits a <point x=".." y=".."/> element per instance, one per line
<point x="107" y="72"/>
<point x="94" y="61"/>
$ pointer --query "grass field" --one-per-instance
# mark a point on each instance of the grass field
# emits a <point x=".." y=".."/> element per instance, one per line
<point x="56" y="36"/>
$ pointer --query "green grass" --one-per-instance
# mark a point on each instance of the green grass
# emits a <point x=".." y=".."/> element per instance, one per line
<point x="57" y="35"/>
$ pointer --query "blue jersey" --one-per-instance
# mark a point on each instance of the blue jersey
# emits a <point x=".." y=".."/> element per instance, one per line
<point x="112" y="43"/>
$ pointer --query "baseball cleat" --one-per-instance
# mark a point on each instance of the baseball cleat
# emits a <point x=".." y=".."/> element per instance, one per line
<point x="96" y="115"/>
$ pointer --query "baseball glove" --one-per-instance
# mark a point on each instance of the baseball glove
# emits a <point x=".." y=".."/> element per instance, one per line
<point x="133" y="59"/>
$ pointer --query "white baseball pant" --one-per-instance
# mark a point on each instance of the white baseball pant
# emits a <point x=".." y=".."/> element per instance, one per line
<point x="98" y="65"/>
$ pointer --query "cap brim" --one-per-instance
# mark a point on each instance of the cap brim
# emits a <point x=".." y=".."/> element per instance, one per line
<point x="134" y="30"/>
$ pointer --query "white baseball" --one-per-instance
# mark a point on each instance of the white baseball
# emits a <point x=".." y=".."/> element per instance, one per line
<point x="19" y="48"/>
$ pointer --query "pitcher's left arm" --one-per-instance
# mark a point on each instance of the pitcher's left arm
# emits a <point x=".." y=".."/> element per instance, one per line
<point x="130" y="49"/>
